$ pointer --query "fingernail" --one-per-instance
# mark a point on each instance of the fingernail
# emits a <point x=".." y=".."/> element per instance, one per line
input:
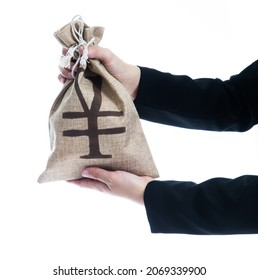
<point x="85" y="173"/>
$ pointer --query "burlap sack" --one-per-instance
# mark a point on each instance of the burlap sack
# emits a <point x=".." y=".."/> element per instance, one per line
<point x="93" y="121"/>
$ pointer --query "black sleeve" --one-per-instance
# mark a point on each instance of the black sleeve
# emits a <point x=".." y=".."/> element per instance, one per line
<point x="208" y="104"/>
<point x="216" y="206"/>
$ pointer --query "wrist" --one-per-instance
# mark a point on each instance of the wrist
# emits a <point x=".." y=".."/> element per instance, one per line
<point x="135" y="80"/>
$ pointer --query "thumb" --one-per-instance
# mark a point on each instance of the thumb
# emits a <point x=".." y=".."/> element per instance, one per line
<point x="103" y="54"/>
<point x="98" y="174"/>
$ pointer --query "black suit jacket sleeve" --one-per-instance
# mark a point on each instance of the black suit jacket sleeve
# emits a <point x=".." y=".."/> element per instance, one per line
<point x="219" y="205"/>
<point x="216" y="206"/>
<point x="209" y="104"/>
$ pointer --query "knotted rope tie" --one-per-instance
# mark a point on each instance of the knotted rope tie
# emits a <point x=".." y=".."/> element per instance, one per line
<point x="65" y="60"/>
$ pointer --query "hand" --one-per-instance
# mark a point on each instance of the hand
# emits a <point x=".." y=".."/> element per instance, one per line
<point x="118" y="183"/>
<point x="128" y="75"/>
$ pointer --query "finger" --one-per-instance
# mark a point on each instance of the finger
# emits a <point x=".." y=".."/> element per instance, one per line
<point x="61" y="79"/>
<point x="103" y="54"/>
<point x="99" y="174"/>
<point x="90" y="184"/>
<point x="66" y="73"/>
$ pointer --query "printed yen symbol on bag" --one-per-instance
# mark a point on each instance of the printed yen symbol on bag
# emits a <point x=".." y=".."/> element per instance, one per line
<point x="92" y="115"/>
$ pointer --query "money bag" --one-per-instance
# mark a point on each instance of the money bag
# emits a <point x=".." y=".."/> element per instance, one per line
<point x="93" y="121"/>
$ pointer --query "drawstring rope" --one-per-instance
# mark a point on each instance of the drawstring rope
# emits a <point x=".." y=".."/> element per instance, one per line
<point x="65" y="60"/>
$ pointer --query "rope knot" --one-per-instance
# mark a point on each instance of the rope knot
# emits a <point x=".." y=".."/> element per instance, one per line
<point x="77" y="26"/>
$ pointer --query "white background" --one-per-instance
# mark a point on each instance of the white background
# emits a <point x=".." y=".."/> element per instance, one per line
<point x="58" y="224"/>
